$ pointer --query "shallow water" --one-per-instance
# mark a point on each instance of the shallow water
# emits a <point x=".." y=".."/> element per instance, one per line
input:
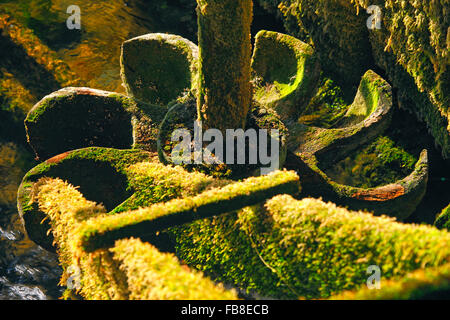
<point x="26" y="270"/>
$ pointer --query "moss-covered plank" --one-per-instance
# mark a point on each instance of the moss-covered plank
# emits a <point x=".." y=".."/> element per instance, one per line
<point x="103" y="231"/>
<point x="152" y="275"/>
<point x="131" y="269"/>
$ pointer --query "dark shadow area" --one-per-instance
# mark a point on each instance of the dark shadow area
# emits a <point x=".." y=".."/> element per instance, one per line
<point x="54" y="34"/>
<point x="97" y="180"/>
<point x="171" y="16"/>
<point x="263" y="20"/>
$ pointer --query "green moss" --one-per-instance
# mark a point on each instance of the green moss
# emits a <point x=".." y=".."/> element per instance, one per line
<point x="154" y="183"/>
<point x="225" y="92"/>
<point x="158" y="68"/>
<point x="372" y="89"/>
<point x="323" y="24"/>
<point x="103" y="231"/>
<point x="427" y="284"/>
<point x="285" y="72"/>
<point x="152" y="275"/>
<point x="443" y="219"/>
<point x="74" y="118"/>
<point x="379" y="163"/>
<point x="112" y="274"/>
<point x="100" y="174"/>
<point x="306" y="248"/>
<point x="367" y="117"/>
<point x="326" y="107"/>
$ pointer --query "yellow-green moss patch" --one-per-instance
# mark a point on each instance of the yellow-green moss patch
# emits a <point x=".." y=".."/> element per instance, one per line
<point x="307" y="248"/>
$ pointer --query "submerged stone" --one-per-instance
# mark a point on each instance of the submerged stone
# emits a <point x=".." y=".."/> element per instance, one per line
<point x="158" y="68"/>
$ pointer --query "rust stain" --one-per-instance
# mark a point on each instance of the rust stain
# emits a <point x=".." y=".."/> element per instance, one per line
<point x="87" y="91"/>
<point x="58" y="158"/>
<point x="380" y="194"/>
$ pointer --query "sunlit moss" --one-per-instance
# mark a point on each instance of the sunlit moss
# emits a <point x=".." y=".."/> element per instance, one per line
<point x="424" y="284"/>
<point x="103" y="231"/>
<point x="307" y="248"/>
<point x="443" y="219"/>
<point x="152" y="275"/>
<point x="130" y="270"/>
<point x="285" y="71"/>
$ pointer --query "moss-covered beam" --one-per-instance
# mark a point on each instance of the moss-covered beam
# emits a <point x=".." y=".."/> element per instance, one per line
<point x="104" y="231"/>
<point x="131" y="269"/>
<point x="152" y="275"/>
<point x="225" y="91"/>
